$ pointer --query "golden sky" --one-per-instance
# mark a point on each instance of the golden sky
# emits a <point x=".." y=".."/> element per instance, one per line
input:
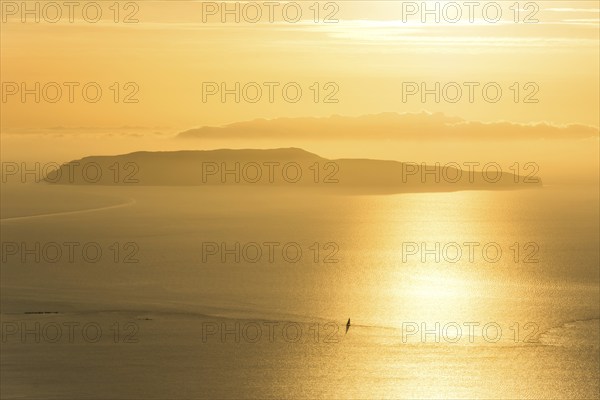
<point x="368" y="54"/>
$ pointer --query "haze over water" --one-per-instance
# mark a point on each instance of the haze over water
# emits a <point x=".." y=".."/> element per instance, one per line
<point x="300" y="200"/>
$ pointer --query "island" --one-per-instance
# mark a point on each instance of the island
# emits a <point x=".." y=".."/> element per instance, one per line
<point x="284" y="167"/>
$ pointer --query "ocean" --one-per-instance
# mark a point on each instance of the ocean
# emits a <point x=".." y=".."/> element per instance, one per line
<point x="224" y="292"/>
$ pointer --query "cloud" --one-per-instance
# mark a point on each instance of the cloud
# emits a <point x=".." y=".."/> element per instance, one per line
<point x="578" y="10"/>
<point x="390" y="126"/>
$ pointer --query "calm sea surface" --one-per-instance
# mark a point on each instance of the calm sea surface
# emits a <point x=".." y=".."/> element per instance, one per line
<point x="451" y="295"/>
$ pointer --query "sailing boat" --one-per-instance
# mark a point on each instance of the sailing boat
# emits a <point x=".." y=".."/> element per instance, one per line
<point x="347" y="325"/>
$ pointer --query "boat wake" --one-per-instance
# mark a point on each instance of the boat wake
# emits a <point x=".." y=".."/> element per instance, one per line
<point x="129" y="203"/>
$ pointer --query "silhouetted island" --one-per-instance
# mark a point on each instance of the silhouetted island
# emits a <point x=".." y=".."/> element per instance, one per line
<point x="288" y="167"/>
